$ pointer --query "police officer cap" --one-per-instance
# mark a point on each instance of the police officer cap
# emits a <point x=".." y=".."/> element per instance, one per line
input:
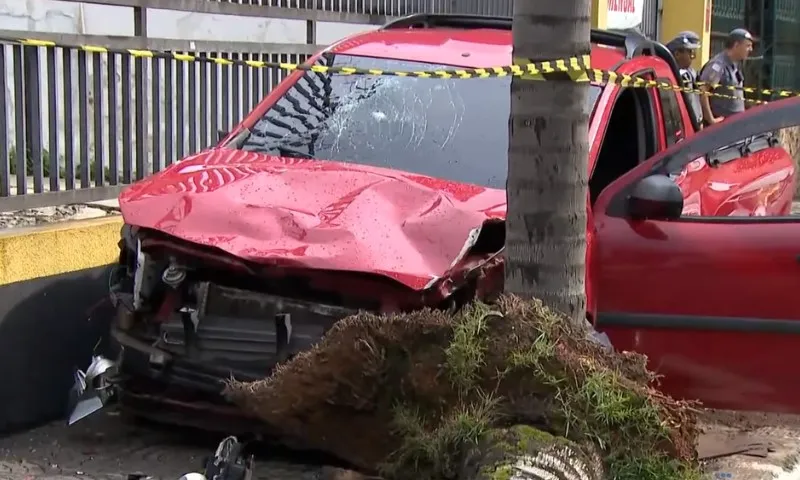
<point x="688" y="40"/>
<point x="739" y="34"/>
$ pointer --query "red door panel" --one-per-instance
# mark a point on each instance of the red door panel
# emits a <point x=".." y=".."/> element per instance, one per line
<point x="712" y="305"/>
<point x="711" y="298"/>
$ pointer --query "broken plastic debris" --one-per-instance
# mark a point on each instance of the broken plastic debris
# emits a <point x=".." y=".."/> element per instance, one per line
<point x="90" y="390"/>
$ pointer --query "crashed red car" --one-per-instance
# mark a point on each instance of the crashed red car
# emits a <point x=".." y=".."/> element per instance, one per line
<point x="343" y="193"/>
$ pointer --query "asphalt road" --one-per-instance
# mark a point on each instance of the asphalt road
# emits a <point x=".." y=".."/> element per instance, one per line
<point x="106" y="447"/>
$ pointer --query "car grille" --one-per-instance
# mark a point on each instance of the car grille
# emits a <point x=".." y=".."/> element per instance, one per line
<point x="247" y="330"/>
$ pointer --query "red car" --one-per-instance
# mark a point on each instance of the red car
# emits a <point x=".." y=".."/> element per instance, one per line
<point x="339" y="193"/>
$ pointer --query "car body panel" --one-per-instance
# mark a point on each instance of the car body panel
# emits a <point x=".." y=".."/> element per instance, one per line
<point x="705" y="297"/>
<point x="474" y="48"/>
<point x="315" y="214"/>
<point x="597" y="129"/>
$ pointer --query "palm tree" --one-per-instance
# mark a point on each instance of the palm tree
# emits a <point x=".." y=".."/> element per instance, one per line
<point x="547" y="161"/>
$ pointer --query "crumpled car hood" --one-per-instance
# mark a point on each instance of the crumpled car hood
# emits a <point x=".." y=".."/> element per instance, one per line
<point x="315" y="214"/>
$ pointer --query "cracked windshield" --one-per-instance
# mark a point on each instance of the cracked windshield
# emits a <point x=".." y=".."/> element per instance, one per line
<point x="453" y="129"/>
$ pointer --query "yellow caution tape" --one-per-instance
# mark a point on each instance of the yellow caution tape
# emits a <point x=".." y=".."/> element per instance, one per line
<point x="577" y="65"/>
<point x="764" y="91"/>
<point x="577" y="69"/>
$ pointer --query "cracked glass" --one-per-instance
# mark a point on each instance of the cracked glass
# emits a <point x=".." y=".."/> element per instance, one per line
<point x="453" y="129"/>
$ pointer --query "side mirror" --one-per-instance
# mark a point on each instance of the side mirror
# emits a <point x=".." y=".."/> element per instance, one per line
<point x="656" y="197"/>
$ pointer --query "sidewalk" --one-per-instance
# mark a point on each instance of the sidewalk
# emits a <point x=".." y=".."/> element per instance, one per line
<point x="38" y="216"/>
<point x="780" y="431"/>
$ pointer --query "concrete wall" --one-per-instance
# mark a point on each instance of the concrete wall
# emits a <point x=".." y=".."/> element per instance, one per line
<point x="53" y="311"/>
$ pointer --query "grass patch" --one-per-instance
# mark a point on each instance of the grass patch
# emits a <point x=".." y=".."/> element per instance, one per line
<point x="466" y="351"/>
<point x="612" y="412"/>
<point x="653" y="467"/>
<point x="433" y="448"/>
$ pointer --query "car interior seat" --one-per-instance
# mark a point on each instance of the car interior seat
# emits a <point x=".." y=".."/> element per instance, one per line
<point x="624" y="143"/>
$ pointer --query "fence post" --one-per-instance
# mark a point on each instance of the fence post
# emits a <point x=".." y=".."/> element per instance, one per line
<point x="140" y="92"/>
<point x="33" y="117"/>
<point x="768" y="42"/>
<point x="5" y="166"/>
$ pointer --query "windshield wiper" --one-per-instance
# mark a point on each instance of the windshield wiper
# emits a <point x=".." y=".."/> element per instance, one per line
<point x="237" y="141"/>
<point x="286" y="151"/>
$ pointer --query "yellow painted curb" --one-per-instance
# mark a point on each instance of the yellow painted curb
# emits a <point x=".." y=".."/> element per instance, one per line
<point x="64" y="247"/>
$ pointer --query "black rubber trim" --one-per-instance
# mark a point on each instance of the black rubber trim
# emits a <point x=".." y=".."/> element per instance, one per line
<point x="688" y="322"/>
<point x="734" y="220"/>
<point x="434" y="20"/>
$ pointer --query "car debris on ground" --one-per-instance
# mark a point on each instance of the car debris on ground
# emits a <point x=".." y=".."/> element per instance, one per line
<point x="111" y="446"/>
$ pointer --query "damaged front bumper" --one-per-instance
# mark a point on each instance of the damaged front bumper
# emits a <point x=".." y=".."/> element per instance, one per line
<point x="173" y="367"/>
<point x="190" y="319"/>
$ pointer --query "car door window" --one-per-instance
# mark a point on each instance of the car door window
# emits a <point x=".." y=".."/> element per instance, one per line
<point x="744" y="168"/>
<point x="629" y="138"/>
<point x="749" y="178"/>
<point x="670" y="110"/>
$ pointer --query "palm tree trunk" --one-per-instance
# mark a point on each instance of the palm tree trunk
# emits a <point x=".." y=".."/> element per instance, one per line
<point x="547" y="161"/>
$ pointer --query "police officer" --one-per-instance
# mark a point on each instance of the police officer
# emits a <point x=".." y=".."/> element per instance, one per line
<point x="725" y="69"/>
<point x="684" y="48"/>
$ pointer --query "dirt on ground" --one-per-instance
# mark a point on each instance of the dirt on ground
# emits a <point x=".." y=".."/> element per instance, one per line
<point x="777" y="436"/>
<point x="384" y="392"/>
<point x="106" y="446"/>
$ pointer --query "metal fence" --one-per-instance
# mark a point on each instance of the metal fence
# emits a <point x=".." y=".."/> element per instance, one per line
<point x="651" y="16"/>
<point x="79" y="125"/>
<point x="776" y="23"/>
<point x="84" y="120"/>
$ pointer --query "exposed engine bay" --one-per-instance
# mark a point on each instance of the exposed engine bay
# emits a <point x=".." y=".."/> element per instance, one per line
<point x="191" y="317"/>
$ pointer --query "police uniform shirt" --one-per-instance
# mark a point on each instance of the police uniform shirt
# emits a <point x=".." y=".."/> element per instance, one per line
<point x="689" y="80"/>
<point x="721" y="70"/>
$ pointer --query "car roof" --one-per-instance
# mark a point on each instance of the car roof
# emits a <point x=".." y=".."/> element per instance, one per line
<point x="485" y="47"/>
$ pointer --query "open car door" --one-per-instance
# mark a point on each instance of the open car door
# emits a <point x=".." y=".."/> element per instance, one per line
<point x="697" y="263"/>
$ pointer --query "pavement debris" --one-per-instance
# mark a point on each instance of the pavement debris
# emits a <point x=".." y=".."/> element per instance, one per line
<point x="45" y="215"/>
<point x="109" y="447"/>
